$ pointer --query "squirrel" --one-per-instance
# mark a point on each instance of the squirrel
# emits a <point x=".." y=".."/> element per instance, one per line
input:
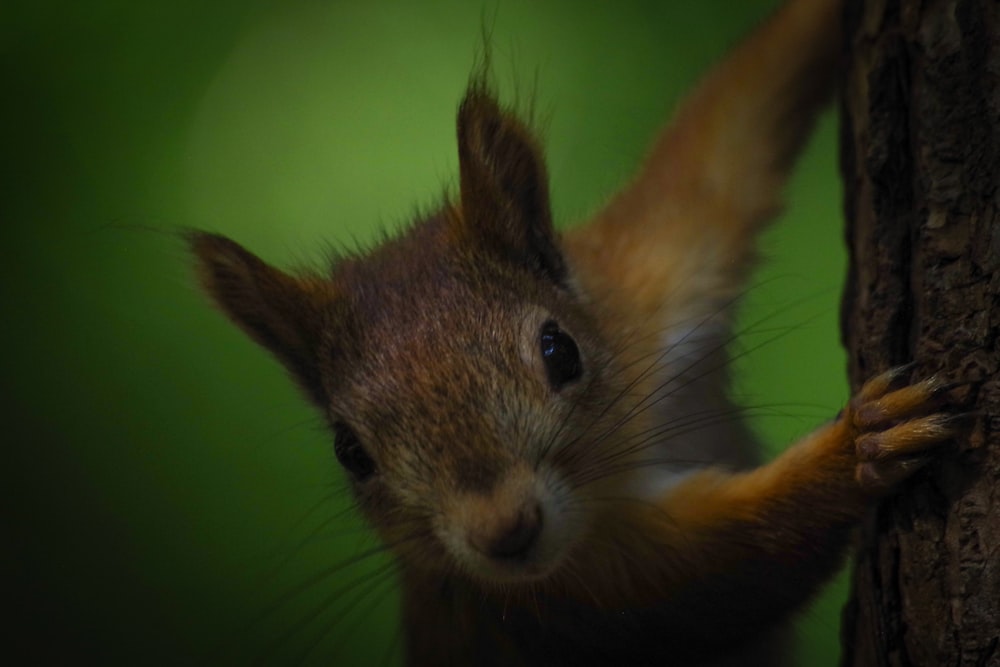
<point x="536" y="423"/>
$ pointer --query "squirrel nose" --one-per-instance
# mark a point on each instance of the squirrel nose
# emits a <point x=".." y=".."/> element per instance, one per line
<point x="510" y="539"/>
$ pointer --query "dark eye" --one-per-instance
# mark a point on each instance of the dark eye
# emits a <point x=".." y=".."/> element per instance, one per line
<point x="561" y="356"/>
<point x="350" y="453"/>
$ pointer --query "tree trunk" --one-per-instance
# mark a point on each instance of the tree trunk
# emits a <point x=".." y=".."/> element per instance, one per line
<point x="921" y="163"/>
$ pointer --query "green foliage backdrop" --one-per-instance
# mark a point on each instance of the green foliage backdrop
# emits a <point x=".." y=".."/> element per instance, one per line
<point x="171" y="500"/>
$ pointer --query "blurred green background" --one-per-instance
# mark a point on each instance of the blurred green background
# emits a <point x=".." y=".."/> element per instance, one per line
<point x="171" y="499"/>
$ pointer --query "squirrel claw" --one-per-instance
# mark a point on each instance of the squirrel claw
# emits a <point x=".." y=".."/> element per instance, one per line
<point x="883" y="475"/>
<point x="896" y="425"/>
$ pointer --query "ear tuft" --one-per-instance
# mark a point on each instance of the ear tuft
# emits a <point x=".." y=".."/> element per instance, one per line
<point x="282" y="313"/>
<point x="504" y="185"/>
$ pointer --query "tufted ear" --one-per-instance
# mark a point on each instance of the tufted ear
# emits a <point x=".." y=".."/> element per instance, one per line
<point x="504" y="185"/>
<point x="282" y="313"/>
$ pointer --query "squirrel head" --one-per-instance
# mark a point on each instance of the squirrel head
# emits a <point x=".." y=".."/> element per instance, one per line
<point x="459" y="365"/>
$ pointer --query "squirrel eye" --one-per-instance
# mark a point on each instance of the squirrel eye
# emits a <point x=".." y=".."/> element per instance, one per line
<point x="561" y="356"/>
<point x="351" y="453"/>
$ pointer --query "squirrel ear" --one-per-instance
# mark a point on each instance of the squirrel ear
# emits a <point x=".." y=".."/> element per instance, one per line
<point x="284" y="314"/>
<point x="504" y="185"/>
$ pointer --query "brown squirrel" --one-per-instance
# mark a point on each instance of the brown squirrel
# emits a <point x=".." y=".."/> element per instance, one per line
<point x="536" y="424"/>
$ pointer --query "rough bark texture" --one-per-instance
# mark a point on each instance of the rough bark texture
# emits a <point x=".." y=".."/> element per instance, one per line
<point x="921" y="164"/>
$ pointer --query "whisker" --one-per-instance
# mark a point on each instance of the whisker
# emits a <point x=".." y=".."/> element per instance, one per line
<point x="383" y="579"/>
<point x="317" y="610"/>
<point x="605" y="466"/>
<point x="655" y="396"/>
<point x="323" y="575"/>
<point x="292" y="553"/>
<point x="651" y="367"/>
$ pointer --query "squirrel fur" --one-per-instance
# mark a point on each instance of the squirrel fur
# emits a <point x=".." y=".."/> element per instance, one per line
<point x="536" y="423"/>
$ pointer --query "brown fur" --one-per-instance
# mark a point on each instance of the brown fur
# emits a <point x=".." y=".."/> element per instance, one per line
<point x="427" y="348"/>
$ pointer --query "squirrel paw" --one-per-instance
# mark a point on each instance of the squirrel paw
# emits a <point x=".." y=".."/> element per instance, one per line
<point x="895" y="426"/>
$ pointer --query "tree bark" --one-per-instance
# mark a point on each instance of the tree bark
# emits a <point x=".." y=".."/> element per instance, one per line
<point x="920" y="144"/>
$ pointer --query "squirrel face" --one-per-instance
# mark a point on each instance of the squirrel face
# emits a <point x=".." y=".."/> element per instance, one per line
<point x="450" y="418"/>
<point x="458" y="365"/>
